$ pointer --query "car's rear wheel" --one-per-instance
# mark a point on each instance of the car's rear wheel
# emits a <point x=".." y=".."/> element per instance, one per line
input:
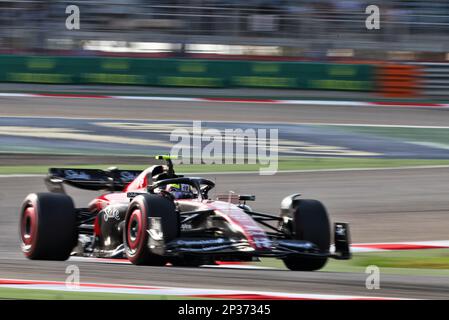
<point x="142" y="210"/>
<point x="47" y="227"/>
<point x="310" y="222"/>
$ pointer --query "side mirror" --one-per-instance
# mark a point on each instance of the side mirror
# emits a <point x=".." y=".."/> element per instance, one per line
<point x="247" y="197"/>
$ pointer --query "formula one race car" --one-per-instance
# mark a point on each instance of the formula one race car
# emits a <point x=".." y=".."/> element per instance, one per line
<point x="154" y="217"/>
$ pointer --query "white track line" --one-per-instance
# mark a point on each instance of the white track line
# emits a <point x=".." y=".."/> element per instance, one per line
<point x="324" y="170"/>
<point x="185" y="292"/>
<point x="21" y="175"/>
<point x="280" y="171"/>
<point x="232" y="100"/>
<point x="333" y="124"/>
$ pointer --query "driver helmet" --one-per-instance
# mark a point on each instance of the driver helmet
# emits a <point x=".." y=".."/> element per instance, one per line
<point x="180" y="190"/>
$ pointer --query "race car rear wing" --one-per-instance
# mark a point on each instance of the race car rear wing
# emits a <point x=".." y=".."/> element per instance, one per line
<point x="111" y="179"/>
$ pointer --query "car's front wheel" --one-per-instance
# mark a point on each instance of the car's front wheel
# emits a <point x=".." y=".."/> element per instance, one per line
<point x="151" y="221"/>
<point x="310" y="222"/>
<point x="47" y="226"/>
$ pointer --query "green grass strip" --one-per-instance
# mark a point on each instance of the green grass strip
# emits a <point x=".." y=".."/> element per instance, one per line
<point x="38" y="294"/>
<point x="284" y="164"/>
<point x="433" y="262"/>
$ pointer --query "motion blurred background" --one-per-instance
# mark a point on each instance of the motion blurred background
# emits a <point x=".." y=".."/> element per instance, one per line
<point x="369" y="107"/>
<point x="301" y="28"/>
<point x="396" y="57"/>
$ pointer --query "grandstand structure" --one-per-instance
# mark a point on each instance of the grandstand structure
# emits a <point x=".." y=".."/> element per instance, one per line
<point x="309" y="28"/>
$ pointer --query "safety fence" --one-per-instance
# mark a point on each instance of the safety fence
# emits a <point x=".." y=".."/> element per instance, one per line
<point x="388" y="79"/>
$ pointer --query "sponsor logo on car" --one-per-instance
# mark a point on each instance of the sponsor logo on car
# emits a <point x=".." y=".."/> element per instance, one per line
<point x="201" y="242"/>
<point x="127" y="176"/>
<point x="76" y="175"/>
<point x="111" y="213"/>
<point x="155" y="229"/>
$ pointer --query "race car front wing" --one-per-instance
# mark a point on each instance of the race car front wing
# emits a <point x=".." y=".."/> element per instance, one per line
<point x="278" y="248"/>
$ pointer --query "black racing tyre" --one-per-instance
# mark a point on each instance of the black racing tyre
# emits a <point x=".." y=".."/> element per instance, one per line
<point x="47" y="228"/>
<point x="135" y="235"/>
<point x="311" y="223"/>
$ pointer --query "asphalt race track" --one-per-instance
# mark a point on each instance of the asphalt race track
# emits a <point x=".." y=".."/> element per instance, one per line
<point x="218" y="111"/>
<point x="402" y="210"/>
<point x="381" y="205"/>
<point x="145" y="137"/>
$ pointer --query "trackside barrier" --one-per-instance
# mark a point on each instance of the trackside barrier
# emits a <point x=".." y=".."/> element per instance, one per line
<point x="398" y="80"/>
<point x="187" y="72"/>
<point x="435" y="79"/>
